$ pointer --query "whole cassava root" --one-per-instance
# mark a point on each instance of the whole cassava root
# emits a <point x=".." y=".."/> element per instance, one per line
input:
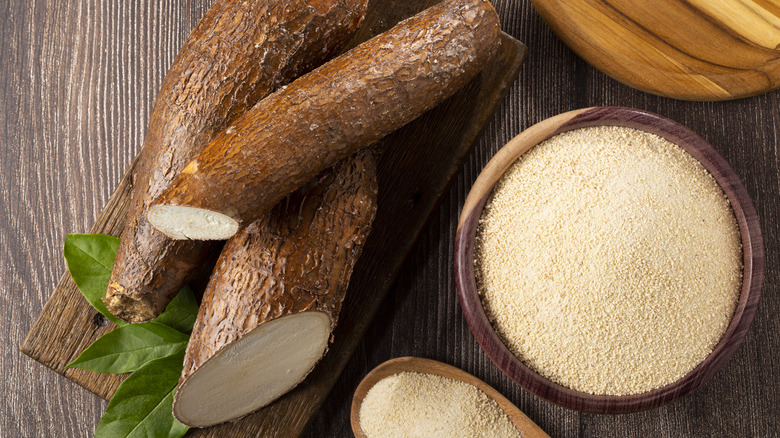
<point x="240" y="51"/>
<point x="275" y="295"/>
<point x="326" y="115"/>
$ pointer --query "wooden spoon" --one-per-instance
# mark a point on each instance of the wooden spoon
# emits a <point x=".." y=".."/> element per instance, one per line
<point x="527" y="428"/>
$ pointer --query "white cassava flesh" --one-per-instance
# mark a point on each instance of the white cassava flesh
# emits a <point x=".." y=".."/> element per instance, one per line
<point x="254" y="370"/>
<point x="190" y="223"/>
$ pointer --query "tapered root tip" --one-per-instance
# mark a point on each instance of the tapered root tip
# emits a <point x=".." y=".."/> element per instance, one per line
<point x="127" y="306"/>
<point x="191" y="223"/>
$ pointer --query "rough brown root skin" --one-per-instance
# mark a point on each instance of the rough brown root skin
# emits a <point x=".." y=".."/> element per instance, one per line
<point x="241" y="51"/>
<point x="289" y="268"/>
<point x="328" y="114"/>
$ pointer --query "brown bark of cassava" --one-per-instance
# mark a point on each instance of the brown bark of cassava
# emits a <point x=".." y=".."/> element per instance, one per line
<point x="241" y="51"/>
<point x="328" y="114"/>
<point x="296" y="258"/>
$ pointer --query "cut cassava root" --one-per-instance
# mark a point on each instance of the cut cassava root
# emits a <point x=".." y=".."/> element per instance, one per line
<point x="229" y="386"/>
<point x="240" y="51"/>
<point x="326" y="115"/>
<point x="275" y="295"/>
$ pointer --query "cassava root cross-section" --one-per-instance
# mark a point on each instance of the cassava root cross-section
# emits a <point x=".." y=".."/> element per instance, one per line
<point x="275" y="296"/>
<point x="326" y="115"/>
<point x="240" y="52"/>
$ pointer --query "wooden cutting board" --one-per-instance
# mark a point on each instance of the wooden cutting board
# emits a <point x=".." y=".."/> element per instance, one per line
<point x="685" y="49"/>
<point x="420" y="161"/>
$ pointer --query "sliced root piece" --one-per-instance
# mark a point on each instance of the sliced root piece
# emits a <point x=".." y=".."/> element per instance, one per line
<point x="190" y="223"/>
<point x="275" y="295"/>
<point x="254" y="370"/>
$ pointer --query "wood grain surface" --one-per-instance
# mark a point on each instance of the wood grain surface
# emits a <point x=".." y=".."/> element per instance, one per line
<point x="686" y="49"/>
<point x="79" y="78"/>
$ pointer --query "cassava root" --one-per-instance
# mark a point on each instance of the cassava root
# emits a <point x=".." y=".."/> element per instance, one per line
<point x="325" y="116"/>
<point x="275" y="296"/>
<point x="240" y="52"/>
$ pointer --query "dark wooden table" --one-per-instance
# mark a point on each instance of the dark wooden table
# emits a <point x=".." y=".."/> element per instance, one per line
<point x="78" y="81"/>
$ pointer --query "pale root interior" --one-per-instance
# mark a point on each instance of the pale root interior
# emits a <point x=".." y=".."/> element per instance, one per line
<point x="253" y="371"/>
<point x="191" y="223"/>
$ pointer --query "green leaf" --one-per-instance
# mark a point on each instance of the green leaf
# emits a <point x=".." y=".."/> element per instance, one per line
<point x="90" y="258"/>
<point x="142" y="405"/>
<point x="160" y="422"/>
<point x="153" y="351"/>
<point x="181" y="312"/>
<point x="127" y="348"/>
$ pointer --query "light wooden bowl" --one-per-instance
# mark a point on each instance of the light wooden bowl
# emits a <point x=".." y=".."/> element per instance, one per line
<point x="705" y="50"/>
<point x="752" y="247"/>
<point x="416" y="364"/>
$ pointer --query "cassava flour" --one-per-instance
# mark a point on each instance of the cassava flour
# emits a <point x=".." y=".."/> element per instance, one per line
<point x="608" y="260"/>
<point x="422" y="405"/>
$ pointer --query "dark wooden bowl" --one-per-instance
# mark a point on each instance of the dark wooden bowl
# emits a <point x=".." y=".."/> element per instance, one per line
<point x="752" y="249"/>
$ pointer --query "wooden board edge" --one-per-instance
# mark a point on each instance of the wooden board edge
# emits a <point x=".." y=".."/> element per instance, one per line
<point x="66" y="294"/>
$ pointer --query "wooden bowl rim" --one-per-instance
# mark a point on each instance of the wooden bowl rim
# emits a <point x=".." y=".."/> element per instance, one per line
<point x="747" y="220"/>
<point x="429" y="366"/>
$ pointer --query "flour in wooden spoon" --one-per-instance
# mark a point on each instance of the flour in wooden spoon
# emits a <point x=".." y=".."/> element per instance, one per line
<point x="423" y="405"/>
